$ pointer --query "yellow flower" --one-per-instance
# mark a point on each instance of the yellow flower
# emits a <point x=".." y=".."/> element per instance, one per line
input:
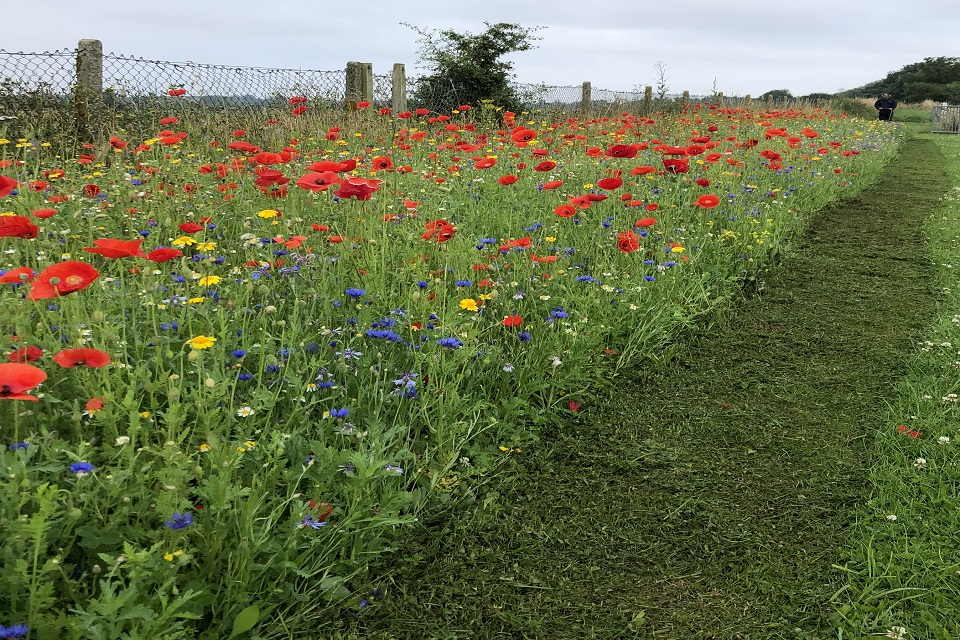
<point x="196" y="300"/>
<point x="268" y="213"/>
<point x="208" y="280"/>
<point x="170" y="556"/>
<point x="201" y="342"/>
<point x="469" y="304"/>
<point x="204" y="448"/>
<point x="206" y="246"/>
<point x="183" y="241"/>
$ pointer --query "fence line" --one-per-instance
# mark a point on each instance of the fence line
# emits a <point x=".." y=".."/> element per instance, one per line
<point x="88" y="87"/>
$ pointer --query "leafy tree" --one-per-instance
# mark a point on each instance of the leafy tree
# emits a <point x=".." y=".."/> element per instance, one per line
<point x="777" y="94"/>
<point x="467" y="68"/>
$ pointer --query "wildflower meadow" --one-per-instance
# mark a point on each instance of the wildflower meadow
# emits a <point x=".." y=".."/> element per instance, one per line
<point x="240" y="357"/>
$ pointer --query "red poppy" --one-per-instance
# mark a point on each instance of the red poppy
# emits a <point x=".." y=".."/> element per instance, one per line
<point x="38" y="186"/>
<point x="610" y="184"/>
<point x="363" y="105"/>
<point x="703" y="182"/>
<point x="25" y="354"/>
<point x="17" y="227"/>
<point x="565" y="211"/>
<point x="627" y="241"/>
<point x="298" y="111"/>
<point x="190" y="227"/>
<point x="176" y="92"/>
<point x="112" y="248"/>
<point x="93" y="358"/>
<point x="645" y="222"/>
<point x="71" y="276"/>
<point x="507" y="179"/>
<point x="93" y="405"/>
<point x="359" y="188"/>
<point x="622" y="151"/>
<point x="639" y="171"/>
<point x="546" y="165"/>
<point x="91" y="190"/>
<point x="484" y="163"/>
<point x="676" y="165"/>
<point x="169" y="120"/>
<point x="15" y="378"/>
<point x="512" y="321"/>
<point x="653" y="206"/>
<point x="164" y="254"/>
<point x="381" y="163"/>
<point x="439" y="230"/>
<point x="318" y="181"/>
<point x="44" y="213"/>
<point x="7" y="185"/>
<point x="574" y="406"/>
<point x="708" y="201"/>
<point x="19" y="275"/>
<point x="522" y="135"/>
<point x="553" y="184"/>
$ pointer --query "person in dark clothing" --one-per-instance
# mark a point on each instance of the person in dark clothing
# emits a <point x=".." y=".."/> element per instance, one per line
<point x="885" y="106"/>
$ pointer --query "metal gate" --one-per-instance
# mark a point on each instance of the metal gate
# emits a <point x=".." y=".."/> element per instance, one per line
<point x="946" y="119"/>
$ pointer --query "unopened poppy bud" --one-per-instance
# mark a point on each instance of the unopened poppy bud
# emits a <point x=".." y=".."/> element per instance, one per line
<point x="209" y="383"/>
<point x="96" y="568"/>
<point x="193" y="356"/>
<point x="98" y="315"/>
<point x="270" y="309"/>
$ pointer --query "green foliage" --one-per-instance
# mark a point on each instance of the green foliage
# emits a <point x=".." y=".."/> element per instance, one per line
<point x="936" y="79"/>
<point x="467" y="69"/>
<point x="777" y="94"/>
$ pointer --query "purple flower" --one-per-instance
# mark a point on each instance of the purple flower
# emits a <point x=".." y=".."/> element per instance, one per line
<point x="339" y="413"/>
<point x="309" y="521"/>
<point x="355" y="293"/>
<point x="449" y="343"/>
<point x="19" y="445"/>
<point x="179" y="521"/>
<point x="16" y="631"/>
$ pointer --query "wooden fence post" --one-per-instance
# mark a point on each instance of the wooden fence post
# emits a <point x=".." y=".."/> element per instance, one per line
<point x="647" y="100"/>
<point x="399" y="88"/>
<point x="359" y="84"/>
<point x="88" y="92"/>
<point x="586" y="101"/>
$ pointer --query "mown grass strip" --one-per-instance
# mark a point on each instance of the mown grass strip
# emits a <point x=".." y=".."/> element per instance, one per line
<point x="903" y="565"/>
<point x="709" y="495"/>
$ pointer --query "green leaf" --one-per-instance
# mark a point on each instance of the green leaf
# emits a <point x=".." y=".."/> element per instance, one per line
<point x="245" y="620"/>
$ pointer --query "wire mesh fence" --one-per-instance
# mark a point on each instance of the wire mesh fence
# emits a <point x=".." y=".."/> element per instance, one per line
<point x="46" y="95"/>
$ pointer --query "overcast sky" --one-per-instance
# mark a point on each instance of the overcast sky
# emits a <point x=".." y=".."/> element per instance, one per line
<point x="735" y="46"/>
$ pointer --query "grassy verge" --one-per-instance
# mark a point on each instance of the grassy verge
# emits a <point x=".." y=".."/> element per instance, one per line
<point x="904" y="566"/>
<point x="710" y="494"/>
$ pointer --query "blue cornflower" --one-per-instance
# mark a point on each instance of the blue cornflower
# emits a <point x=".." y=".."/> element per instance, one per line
<point x="238" y="353"/>
<point x="285" y="352"/>
<point x="81" y="468"/>
<point x="350" y="354"/>
<point x="309" y="521"/>
<point x="649" y="278"/>
<point x="243" y="377"/>
<point x="462" y="283"/>
<point x="558" y="312"/>
<point x="386" y="334"/>
<point x="179" y="521"/>
<point x="178" y="278"/>
<point x="524" y="336"/>
<point x="355" y="293"/>
<point x="423" y="284"/>
<point x="585" y="279"/>
<point x="449" y="343"/>
<point x="16" y="631"/>
<point x="339" y="413"/>
<point x="19" y="445"/>
<point x="272" y="368"/>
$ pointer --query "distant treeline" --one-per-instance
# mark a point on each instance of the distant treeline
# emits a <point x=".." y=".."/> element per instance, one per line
<point x="936" y="79"/>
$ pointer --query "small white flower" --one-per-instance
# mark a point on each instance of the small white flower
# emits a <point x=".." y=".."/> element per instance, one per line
<point x="944" y="439"/>
<point x="122" y="440"/>
<point x="508" y="367"/>
<point x="892" y="518"/>
<point x="920" y="463"/>
<point x="897" y="633"/>
<point x="244" y="412"/>
<point x="555" y="361"/>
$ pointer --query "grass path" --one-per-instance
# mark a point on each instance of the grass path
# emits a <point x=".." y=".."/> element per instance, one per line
<point x="709" y="496"/>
